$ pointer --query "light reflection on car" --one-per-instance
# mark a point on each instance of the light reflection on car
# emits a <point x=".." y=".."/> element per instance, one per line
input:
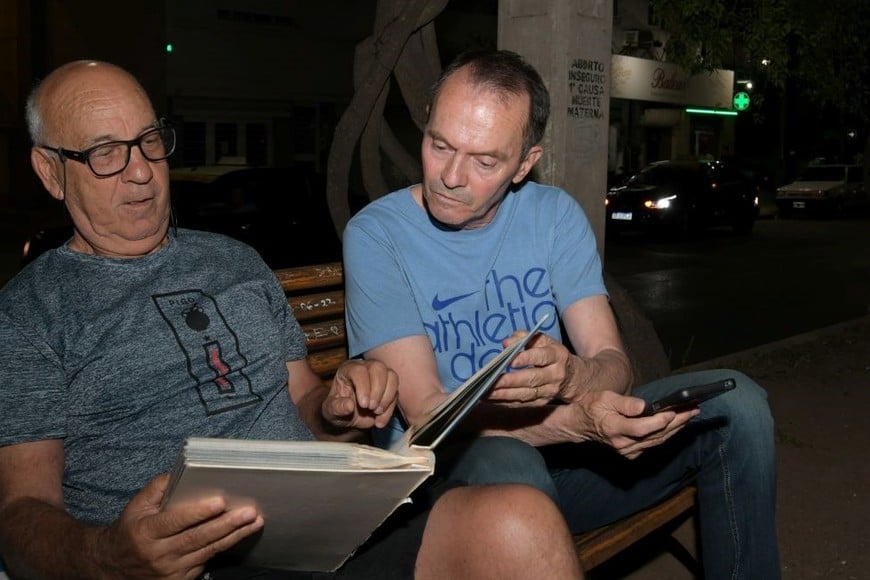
<point x="683" y="197"/>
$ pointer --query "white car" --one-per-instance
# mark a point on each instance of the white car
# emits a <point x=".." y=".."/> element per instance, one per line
<point x="827" y="188"/>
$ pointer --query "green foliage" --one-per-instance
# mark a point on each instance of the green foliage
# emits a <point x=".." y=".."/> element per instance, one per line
<point x="765" y="28"/>
<point x="821" y="45"/>
<point x="700" y="32"/>
<point x="831" y="55"/>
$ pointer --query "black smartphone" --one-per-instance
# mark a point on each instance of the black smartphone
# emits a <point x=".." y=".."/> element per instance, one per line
<point x="688" y="397"/>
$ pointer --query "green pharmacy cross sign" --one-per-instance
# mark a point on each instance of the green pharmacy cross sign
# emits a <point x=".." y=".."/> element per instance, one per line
<point x="741" y="101"/>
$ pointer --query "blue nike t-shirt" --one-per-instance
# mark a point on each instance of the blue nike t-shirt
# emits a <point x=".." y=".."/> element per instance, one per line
<point x="465" y="290"/>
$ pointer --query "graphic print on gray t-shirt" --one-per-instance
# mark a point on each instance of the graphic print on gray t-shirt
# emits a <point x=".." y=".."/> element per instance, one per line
<point x="211" y="348"/>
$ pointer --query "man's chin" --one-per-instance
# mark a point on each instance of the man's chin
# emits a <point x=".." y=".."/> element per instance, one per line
<point x="121" y="245"/>
<point x="447" y="223"/>
<point x="442" y="219"/>
<point x="134" y="248"/>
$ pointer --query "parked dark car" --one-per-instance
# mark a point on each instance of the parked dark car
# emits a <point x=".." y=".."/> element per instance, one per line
<point x="281" y="212"/>
<point x="683" y="197"/>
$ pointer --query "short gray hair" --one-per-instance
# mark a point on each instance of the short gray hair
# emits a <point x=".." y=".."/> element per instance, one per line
<point x="35" y="125"/>
<point x="507" y="74"/>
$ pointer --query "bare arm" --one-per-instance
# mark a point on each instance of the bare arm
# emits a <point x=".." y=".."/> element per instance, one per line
<point x="600" y="362"/>
<point x="553" y="371"/>
<point x="362" y="395"/>
<point x="37" y="535"/>
<point x="552" y="396"/>
<point x="39" y="539"/>
<point x="590" y="388"/>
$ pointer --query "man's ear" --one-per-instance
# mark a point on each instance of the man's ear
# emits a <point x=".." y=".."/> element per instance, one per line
<point x="526" y="165"/>
<point x="46" y="169"/>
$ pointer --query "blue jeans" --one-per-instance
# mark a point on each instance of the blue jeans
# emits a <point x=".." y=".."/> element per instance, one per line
<point x="728" y="450"/>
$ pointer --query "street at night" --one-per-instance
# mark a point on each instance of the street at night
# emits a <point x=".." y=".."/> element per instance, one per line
<point x="722" y="293"/>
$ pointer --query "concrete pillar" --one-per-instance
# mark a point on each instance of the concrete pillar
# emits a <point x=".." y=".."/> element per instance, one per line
<point x="569" y="41"/>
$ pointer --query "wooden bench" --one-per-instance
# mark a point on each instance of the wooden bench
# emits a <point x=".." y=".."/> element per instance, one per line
<point x="316" y="294"/>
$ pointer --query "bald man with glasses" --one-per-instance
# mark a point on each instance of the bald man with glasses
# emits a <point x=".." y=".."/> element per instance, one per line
<point x="133" y="336"/>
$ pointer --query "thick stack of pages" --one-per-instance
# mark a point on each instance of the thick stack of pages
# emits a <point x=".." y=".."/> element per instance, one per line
<point x="322" y="500"/>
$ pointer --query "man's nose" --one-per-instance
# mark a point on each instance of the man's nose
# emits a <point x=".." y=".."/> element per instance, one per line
<point x="454" y="174"/>
<point x="139" y="168"/>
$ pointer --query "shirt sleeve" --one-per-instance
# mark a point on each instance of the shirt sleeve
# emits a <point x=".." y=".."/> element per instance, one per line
<point x="575" y="264"/>
<point x="373" y="278"/>
<point x="293" y="336"/>
<point x="31" y="389"/>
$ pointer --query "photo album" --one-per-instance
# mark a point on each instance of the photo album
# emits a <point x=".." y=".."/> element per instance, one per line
<point x="321" y="500"/>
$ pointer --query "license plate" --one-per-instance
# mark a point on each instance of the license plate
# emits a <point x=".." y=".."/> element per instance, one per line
<point x="621" y="215"/>
<point x="799" y="204"/>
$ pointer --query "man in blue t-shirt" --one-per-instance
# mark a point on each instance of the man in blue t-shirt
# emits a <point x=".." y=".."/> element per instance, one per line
<point x="440" y="274"/>
<point x="135" y="335"/>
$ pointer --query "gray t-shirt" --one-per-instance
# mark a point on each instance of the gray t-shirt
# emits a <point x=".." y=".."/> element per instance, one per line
<point x="124" y="358"/>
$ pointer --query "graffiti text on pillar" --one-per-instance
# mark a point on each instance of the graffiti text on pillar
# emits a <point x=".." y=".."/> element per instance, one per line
<point x="586" y="86"/>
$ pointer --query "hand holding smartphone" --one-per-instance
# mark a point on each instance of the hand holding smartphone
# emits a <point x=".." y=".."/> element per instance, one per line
<point x="688" y="397"/>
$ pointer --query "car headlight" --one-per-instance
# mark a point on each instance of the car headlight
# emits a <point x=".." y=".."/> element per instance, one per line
<point x="662" y="203"/>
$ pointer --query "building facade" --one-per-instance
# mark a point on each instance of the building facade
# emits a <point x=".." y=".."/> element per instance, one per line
<point x="265" y="81"/>
<point x="649" y="99"/>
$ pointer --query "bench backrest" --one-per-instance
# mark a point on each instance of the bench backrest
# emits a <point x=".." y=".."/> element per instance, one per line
<point x="316" y="294"/>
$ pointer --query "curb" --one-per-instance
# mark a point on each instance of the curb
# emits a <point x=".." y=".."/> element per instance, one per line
<point x="795" y="340"/>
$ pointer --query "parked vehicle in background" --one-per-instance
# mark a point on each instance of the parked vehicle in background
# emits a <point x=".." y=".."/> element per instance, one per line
<point x="278" y="211"/>
<point x="760" y="176"/>
<point x="683" y="197"/>
<point x="824" y="190"/>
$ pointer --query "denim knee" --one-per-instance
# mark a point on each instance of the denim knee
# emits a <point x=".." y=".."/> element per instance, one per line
<point x="745" y="406"/>
<point x="741" y="417"/>
<point x="748" y="431"/>
<point x="495" y="460"/>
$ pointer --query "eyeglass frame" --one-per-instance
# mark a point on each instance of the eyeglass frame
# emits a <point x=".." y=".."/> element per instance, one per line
<point x="83" y="156"/>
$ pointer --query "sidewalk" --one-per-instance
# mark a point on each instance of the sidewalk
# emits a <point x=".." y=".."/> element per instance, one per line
<point x="819" y="389"/>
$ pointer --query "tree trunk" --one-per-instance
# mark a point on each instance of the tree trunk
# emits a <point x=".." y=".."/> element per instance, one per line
<point x="376" y="58"/>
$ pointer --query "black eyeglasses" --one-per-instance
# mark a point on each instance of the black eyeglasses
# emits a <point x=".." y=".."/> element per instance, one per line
<point x="112" y="157"/>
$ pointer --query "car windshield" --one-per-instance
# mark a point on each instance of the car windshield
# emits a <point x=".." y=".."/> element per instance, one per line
<point x="822" y="173"/>
<point x="667" y="175"/>
<point x="654" y="176"/>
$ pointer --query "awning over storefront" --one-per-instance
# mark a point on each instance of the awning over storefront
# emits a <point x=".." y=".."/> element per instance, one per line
<point x="650" y="80"/>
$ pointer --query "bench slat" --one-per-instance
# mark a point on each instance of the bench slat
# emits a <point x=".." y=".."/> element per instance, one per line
<point x="310" y="277"/>
<point x="597" y="546"/>
<point x="310" y="306"/>
<point x="324" y="363"/>
<point x="324" y="334"/>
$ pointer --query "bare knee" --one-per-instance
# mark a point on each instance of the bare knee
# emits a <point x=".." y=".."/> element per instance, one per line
<point x="498" y="531"/>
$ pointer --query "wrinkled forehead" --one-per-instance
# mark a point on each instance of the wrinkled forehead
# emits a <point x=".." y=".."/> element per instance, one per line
<point x="88" y="105"/>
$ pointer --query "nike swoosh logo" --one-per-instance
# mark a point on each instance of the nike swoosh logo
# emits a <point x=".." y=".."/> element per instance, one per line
<point x="442" y="304"/>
